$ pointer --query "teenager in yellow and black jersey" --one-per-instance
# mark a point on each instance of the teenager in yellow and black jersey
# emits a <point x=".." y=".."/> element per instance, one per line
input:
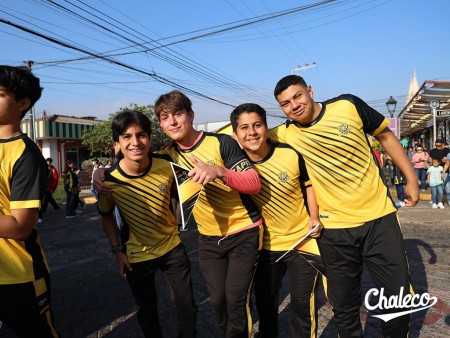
<point x="286" y="221"/>
<point x="24" y="273"/>
<point x="228" y="221"/>
<point x="356" y="210"/>
<point x="141" y="189"/>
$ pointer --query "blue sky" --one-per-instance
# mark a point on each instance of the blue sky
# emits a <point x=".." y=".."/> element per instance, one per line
<point x="369" y="48"/>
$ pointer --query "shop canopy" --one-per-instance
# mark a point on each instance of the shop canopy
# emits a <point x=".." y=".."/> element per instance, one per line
<point x="417" y="114"/>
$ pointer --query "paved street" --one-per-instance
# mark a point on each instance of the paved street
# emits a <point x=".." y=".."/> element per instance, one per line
<point x="91" y="300"/>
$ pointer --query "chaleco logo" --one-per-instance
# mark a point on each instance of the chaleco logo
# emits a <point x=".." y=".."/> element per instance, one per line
<point x="413" y="303"/>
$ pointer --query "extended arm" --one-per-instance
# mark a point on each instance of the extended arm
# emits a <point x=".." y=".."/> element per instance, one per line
<point x="19" y="224"/>
<point x="246" y="182"/>
<point x="313" y="212"/>
<point x="395" y="150"/>
<point x="109" y="225"/>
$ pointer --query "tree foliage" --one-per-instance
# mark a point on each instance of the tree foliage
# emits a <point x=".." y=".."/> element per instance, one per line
<point x="99" y="139"/>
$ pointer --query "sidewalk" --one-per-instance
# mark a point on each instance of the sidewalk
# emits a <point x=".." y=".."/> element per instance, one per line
<point x="90" y="300"/>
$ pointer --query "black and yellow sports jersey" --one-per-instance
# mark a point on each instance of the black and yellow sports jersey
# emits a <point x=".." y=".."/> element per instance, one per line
<point x="219" y="212"/>
<point x="281" y="200"/>
<point x="149" y="229"/>
<point x="346" y="178"/>
<point x="23" y="178"/>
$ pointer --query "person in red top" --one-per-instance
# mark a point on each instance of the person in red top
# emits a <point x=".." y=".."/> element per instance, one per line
<point x="49" y="190"/>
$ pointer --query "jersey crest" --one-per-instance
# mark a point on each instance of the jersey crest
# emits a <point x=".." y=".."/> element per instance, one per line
<point x="344" y="128"/>
<point x="283" y="177"/>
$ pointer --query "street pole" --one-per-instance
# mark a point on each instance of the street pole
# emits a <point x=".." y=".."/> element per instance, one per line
<point x="303" y="68"/>
<point x="32" y="124"/>
<point x="434" y="105"/>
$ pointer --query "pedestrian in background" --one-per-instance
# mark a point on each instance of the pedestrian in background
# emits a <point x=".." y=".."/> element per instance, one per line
<point x="95" y="166"/>
<point x="71" y="188"/>
<point x="434" y="178"/>
<point x="420" y="161"/>
<point x="49" y="190"/>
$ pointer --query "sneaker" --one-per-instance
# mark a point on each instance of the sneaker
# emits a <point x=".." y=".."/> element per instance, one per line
<point x="70" y="216"/>
<point x="78" y="211"/>
<point x="434" y="206"/>
<point x="440" y="205"/>
<point x="39" y="220"/>
<point x="402" y="204"/>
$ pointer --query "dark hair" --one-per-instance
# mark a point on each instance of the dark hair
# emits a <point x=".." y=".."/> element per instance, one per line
<point x="49" y="159"/>
<point x="127" y="117"/>
<point x="22" y="83"/>
<point x="172" y="102"/>
<point x="436" y="159"/>
<point x="247" y="108"/>
<point x="439" y="140"/>
<point x="286" y="82"/>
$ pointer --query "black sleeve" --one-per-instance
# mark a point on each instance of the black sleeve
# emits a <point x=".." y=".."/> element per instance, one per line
<point x="30" y="175"/>
<point x="304" y="177"/>
<point x="232" y="155"/>
<point x="371" y="118"/>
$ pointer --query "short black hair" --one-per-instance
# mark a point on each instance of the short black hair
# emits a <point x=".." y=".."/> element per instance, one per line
<point x="286" y="82"/>
<point x="247" y="108"/>
<point x="49" y="159"/>
<point x="125" y="118"/>
<point x="22" y="83"/>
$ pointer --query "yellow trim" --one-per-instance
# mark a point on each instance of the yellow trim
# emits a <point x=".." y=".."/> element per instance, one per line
<point x="25" y="204"/>
<point x="40" y="287"/>
<point x="382" y="126"/>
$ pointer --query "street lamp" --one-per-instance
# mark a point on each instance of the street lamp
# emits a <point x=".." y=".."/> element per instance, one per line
<point x="391" y="104"/>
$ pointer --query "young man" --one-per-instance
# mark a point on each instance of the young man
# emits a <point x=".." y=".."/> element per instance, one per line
<point x="228" y="221"/>
<point x="356" y="210"/>
<point x="286" y="220"/>
<point x="141" y="189"/>
<point x="24" y="273"/>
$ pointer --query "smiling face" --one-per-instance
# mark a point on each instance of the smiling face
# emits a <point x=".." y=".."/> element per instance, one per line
<point x="178" y="126"/>
<point x="297" y="103"/>
<point x="251" y="133"/>
<point x="134" y="144"/>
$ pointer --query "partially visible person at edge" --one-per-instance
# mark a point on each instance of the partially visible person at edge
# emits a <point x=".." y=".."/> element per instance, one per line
<point x="446" y="178"/>
<point x="442" y="152"/>
<point x="229" y="222"/>
<point x="71" y="188"/>
<point x="410" y="152"/>
<point x="24" y="273"/>
<point x="357" y="212"/>
<point x="419" y="159"/>
<point x="49" y="190"/>
<point x="150" y="240"/>
<point x="286" y="221"/>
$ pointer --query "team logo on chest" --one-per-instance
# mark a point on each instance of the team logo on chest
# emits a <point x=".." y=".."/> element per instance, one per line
<point x="163" y="188"/>
<point x="283" y="177"/>
<point x="344" y="129"/>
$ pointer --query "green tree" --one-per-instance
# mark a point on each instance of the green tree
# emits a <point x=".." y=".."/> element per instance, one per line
<point x="99" y="139"/>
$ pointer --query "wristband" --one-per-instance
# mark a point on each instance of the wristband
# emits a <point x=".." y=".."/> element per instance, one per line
<point x="117" y="248"/>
